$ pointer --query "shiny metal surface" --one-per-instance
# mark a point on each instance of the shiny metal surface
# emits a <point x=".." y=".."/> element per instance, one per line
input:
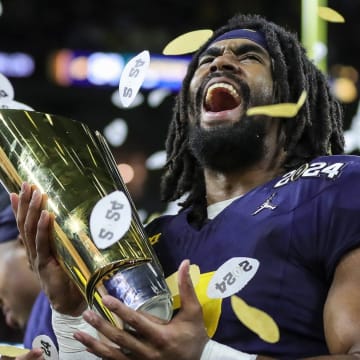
<point x="75" y="168"/>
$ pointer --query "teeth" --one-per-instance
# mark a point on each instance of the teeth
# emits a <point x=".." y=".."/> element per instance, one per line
<point x="226" y="86"/>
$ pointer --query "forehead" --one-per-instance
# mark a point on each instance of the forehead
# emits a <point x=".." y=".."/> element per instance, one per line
<point x="237" y="45"/>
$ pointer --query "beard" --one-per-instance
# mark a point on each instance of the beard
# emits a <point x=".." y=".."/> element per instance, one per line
<point x="229" y="147"/>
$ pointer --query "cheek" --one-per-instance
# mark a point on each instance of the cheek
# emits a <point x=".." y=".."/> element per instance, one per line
<point x="265" y="83"/>
<point x="196" y="80"/>
<point x="194" y="85"/>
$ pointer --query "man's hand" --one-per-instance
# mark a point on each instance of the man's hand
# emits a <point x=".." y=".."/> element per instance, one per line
<point x="36" y="230"/>
<point x="34" y="354"/>
<point x="183" y="338"/>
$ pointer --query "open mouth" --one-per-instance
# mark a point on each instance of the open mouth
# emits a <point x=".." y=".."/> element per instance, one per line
<point x="221" y="97"/>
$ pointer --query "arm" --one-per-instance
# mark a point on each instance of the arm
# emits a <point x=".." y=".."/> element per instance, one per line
<point x="342" y="308"/>
<point x="34" y="354"/>
<point x="176" y="339"/>
<point x="36" y="231"/>
<point x="153" y="340"/>
<point x="183" y="338"/>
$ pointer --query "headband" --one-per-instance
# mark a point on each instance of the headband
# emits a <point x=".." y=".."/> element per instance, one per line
<point x="253" y="35"/>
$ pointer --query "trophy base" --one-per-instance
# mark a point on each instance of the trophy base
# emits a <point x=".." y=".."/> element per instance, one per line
<point x="158" y="306"/>
<point x="142" y="288"/>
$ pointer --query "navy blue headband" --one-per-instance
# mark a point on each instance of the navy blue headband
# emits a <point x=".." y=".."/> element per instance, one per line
<point x="249" y="34"/>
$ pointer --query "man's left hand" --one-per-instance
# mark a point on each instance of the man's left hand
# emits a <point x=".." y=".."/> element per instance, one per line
<point x="183" y="338"/>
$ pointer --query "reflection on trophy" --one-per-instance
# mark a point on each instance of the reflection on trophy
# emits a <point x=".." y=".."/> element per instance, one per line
<point x="99" y="238"/>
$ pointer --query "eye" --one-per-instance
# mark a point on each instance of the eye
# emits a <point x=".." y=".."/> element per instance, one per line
<point x="250" y="57"/>
<point x="205" y="60"/>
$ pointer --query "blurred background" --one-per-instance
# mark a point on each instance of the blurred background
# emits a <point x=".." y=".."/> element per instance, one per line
<point x="66" y="58"/>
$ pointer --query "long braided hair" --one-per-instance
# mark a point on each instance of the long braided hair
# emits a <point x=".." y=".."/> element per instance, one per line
<point x="316" y="130"/>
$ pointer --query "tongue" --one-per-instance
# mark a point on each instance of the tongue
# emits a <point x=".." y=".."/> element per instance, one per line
<point x="221" y="100"/>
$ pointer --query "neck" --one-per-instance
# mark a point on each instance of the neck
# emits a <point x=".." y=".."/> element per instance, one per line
<point x="222" y="186"/>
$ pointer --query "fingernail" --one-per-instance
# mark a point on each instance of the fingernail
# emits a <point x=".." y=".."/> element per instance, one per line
<point x="35" y="195"/>
<point x="23" y="186"/>
<point x="44" y="215"/>
<point x="108" y="301"/>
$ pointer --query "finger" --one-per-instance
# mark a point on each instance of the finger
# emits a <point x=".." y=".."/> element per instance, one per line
<point x="23" y="205"/>
<point x="20" y="205"/>
<point x="188" y="298"/>
<point x="34" y="354"/>
<point x="153" y="318"/>
<point x="14" y="200"/>
<point x="99" y="348"/>
<point x="143" y="325"/>
<point x="32" y="218"/>
<point x="43" y="236"/>
<point x="120" y="337"/>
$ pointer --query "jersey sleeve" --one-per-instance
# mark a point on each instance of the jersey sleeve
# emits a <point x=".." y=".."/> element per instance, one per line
<point x="341" y="218"/>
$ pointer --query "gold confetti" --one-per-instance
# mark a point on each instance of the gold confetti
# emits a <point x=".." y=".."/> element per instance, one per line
<point x="256" y="320"/>
<point x="172" y="280"/>
<point x="286" y="110"/>
<point x="12" y="351"/>
<point x="330" y="15"/>
<point x="188" y="42"/>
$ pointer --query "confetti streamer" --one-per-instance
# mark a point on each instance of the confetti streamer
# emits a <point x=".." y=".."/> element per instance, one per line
<point x="12" y="351"/>
<point x="286" y="110"/>
<point x="256" y="320"/>
<point x="330" y="15"/>
<point x="188" y="42"/>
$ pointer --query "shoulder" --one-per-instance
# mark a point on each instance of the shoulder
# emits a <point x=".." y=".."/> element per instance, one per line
<point x="352" y="162"/>
<point x="340" y="169"/>
<point x="333" y="179"/>
<point x="160" y="224"/>
<point x="324" y="170"/>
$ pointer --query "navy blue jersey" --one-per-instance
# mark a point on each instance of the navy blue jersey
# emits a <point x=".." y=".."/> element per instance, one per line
<point x="39" y="322"/>
<point x="296" y="227"/>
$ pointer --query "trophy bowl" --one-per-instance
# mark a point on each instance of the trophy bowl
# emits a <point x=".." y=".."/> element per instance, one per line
<point x="99" y="239"/>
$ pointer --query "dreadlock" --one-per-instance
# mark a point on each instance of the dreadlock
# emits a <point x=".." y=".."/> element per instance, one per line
<point x="316" y="130"/>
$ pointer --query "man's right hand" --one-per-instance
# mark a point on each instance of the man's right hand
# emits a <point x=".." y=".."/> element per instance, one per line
<point x="34" y="354"/>
<point x="36" y="227"/>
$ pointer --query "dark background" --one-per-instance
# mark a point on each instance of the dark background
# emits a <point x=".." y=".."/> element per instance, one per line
<point x="41" y="27"/>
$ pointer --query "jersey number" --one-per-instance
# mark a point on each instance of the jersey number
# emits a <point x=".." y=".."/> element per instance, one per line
<point x="313" y="170"/>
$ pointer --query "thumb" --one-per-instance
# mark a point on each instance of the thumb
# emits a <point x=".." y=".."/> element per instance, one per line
<point x="188" y="298"/>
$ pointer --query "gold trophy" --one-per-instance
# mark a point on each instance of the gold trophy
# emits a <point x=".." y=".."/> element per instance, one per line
<point x="99" y="239"/>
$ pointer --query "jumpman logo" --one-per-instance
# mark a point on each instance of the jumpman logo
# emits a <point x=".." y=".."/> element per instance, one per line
<point x="266" y="205"/>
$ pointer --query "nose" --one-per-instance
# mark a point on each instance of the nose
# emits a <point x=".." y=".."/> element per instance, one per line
<point x="226" y="61"/>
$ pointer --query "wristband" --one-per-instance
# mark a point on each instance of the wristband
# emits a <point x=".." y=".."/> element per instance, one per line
<point x="215" y="351"/>
<point x="64" y="327"/>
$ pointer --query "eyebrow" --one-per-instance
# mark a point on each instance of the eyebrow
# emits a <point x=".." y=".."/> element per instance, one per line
<point x="238" y="50"/>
